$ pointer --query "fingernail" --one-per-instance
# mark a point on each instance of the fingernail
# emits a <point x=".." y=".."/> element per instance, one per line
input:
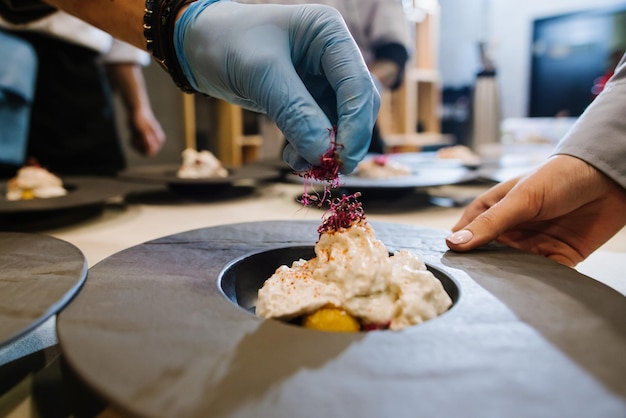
<point x="461" y="237"/>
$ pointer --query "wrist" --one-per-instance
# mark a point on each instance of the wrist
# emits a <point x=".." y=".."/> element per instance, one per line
<point x="159" y="25"/>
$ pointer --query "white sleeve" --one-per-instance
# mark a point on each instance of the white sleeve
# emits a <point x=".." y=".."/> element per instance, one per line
<point x="69" y="29"/>
<point x="122" y="52"/>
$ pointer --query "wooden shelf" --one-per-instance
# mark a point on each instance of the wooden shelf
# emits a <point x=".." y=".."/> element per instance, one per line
<point x="412" y="111"/>
<point x="235" y="148"/>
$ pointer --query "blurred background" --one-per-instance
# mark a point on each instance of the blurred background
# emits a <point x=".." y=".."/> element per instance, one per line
<point x="538" y="63"/>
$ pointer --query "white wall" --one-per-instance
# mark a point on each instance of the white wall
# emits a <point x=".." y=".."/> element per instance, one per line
<point x="507" y="25"/>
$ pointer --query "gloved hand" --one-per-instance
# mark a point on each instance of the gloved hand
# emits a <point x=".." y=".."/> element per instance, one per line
<point x="297" y="64"/>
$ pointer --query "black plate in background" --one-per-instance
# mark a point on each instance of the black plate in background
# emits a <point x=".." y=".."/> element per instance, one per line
<point x="422" y="176"/>
<point x="167" y="174"/>
<point x="418" y="161"/>
<point x="86" y="198"/>
<point x="430" y="159"/>
<point x="39" y="275"/>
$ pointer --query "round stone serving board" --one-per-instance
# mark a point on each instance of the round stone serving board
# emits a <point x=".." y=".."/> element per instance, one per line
<point x="39" y="275"/>
<point x="153" y="334"/>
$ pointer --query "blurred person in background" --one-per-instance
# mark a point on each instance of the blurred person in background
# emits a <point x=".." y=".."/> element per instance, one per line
<point x="72" y="126"/>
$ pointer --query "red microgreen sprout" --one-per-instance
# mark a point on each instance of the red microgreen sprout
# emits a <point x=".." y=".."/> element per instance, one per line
<point x="343" y="213"/>
<point x="326" y="172"/>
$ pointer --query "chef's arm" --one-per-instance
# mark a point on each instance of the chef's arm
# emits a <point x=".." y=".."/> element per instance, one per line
<point x="147" y="133"/>
<point x="123" y="19"/>
<point x="127" y="79"/>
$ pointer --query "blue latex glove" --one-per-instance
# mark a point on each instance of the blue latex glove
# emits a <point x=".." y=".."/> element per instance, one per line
<point x="297" y="64"/>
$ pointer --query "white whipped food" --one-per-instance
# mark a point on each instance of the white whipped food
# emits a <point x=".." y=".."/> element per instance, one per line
<point x="382" y="167"/>
<point x="352" y="270"/>
<point x="459" y="152"/>
<point x="200" y="164"/>
<point x="34" y="182"/>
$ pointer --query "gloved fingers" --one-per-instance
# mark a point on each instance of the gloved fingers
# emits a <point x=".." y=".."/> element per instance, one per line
<point x="292" y="89"/>
<point x="292" y="157"/>
<point x="254" y="69"/>
<point x="331" y="66"/>
<point x="298" y="64"/>
<point x="305" y="125"/>
<point x="358" y="103"/>
<point x="358" y="100"/>
<point x="318" y="81"/>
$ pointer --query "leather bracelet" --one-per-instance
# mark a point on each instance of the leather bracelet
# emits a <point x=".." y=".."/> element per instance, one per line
<point x="159" y="22"/>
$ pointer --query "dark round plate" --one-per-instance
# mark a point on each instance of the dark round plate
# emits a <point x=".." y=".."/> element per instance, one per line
<point x="166" y="174"/>
<point x="153" y="333"/>
<point x="86" y="198"/>
<point x="422" y="176"/>
<point x="82" y="191"/>
<point x="429" y="159"/>
<point x="39" y="275"/>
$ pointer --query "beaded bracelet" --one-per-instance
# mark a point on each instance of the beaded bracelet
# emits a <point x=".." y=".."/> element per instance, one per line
<point x="159" y="22"/>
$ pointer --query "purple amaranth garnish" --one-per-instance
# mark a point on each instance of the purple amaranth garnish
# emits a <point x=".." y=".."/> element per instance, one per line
<point x="344" y="212"/>
<point x="326" y="172"/>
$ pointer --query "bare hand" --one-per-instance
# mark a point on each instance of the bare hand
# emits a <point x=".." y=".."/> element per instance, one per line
<point x="147" y="135"/>
<point x="564" y="210"/>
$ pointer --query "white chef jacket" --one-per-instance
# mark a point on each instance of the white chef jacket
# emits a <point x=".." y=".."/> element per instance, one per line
<point x="71" y="29"/>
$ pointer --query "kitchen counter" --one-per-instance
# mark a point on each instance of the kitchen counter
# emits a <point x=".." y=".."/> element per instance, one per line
<point x="141" y="218"/>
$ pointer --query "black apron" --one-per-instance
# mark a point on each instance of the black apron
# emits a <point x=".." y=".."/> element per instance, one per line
<point x="73" y="129"/>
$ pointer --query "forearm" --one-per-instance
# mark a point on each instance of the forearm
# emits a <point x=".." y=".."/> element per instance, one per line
<point x="127" y="79"/>
<point x="147" y="134"/>
<point x="123" y="19"/>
